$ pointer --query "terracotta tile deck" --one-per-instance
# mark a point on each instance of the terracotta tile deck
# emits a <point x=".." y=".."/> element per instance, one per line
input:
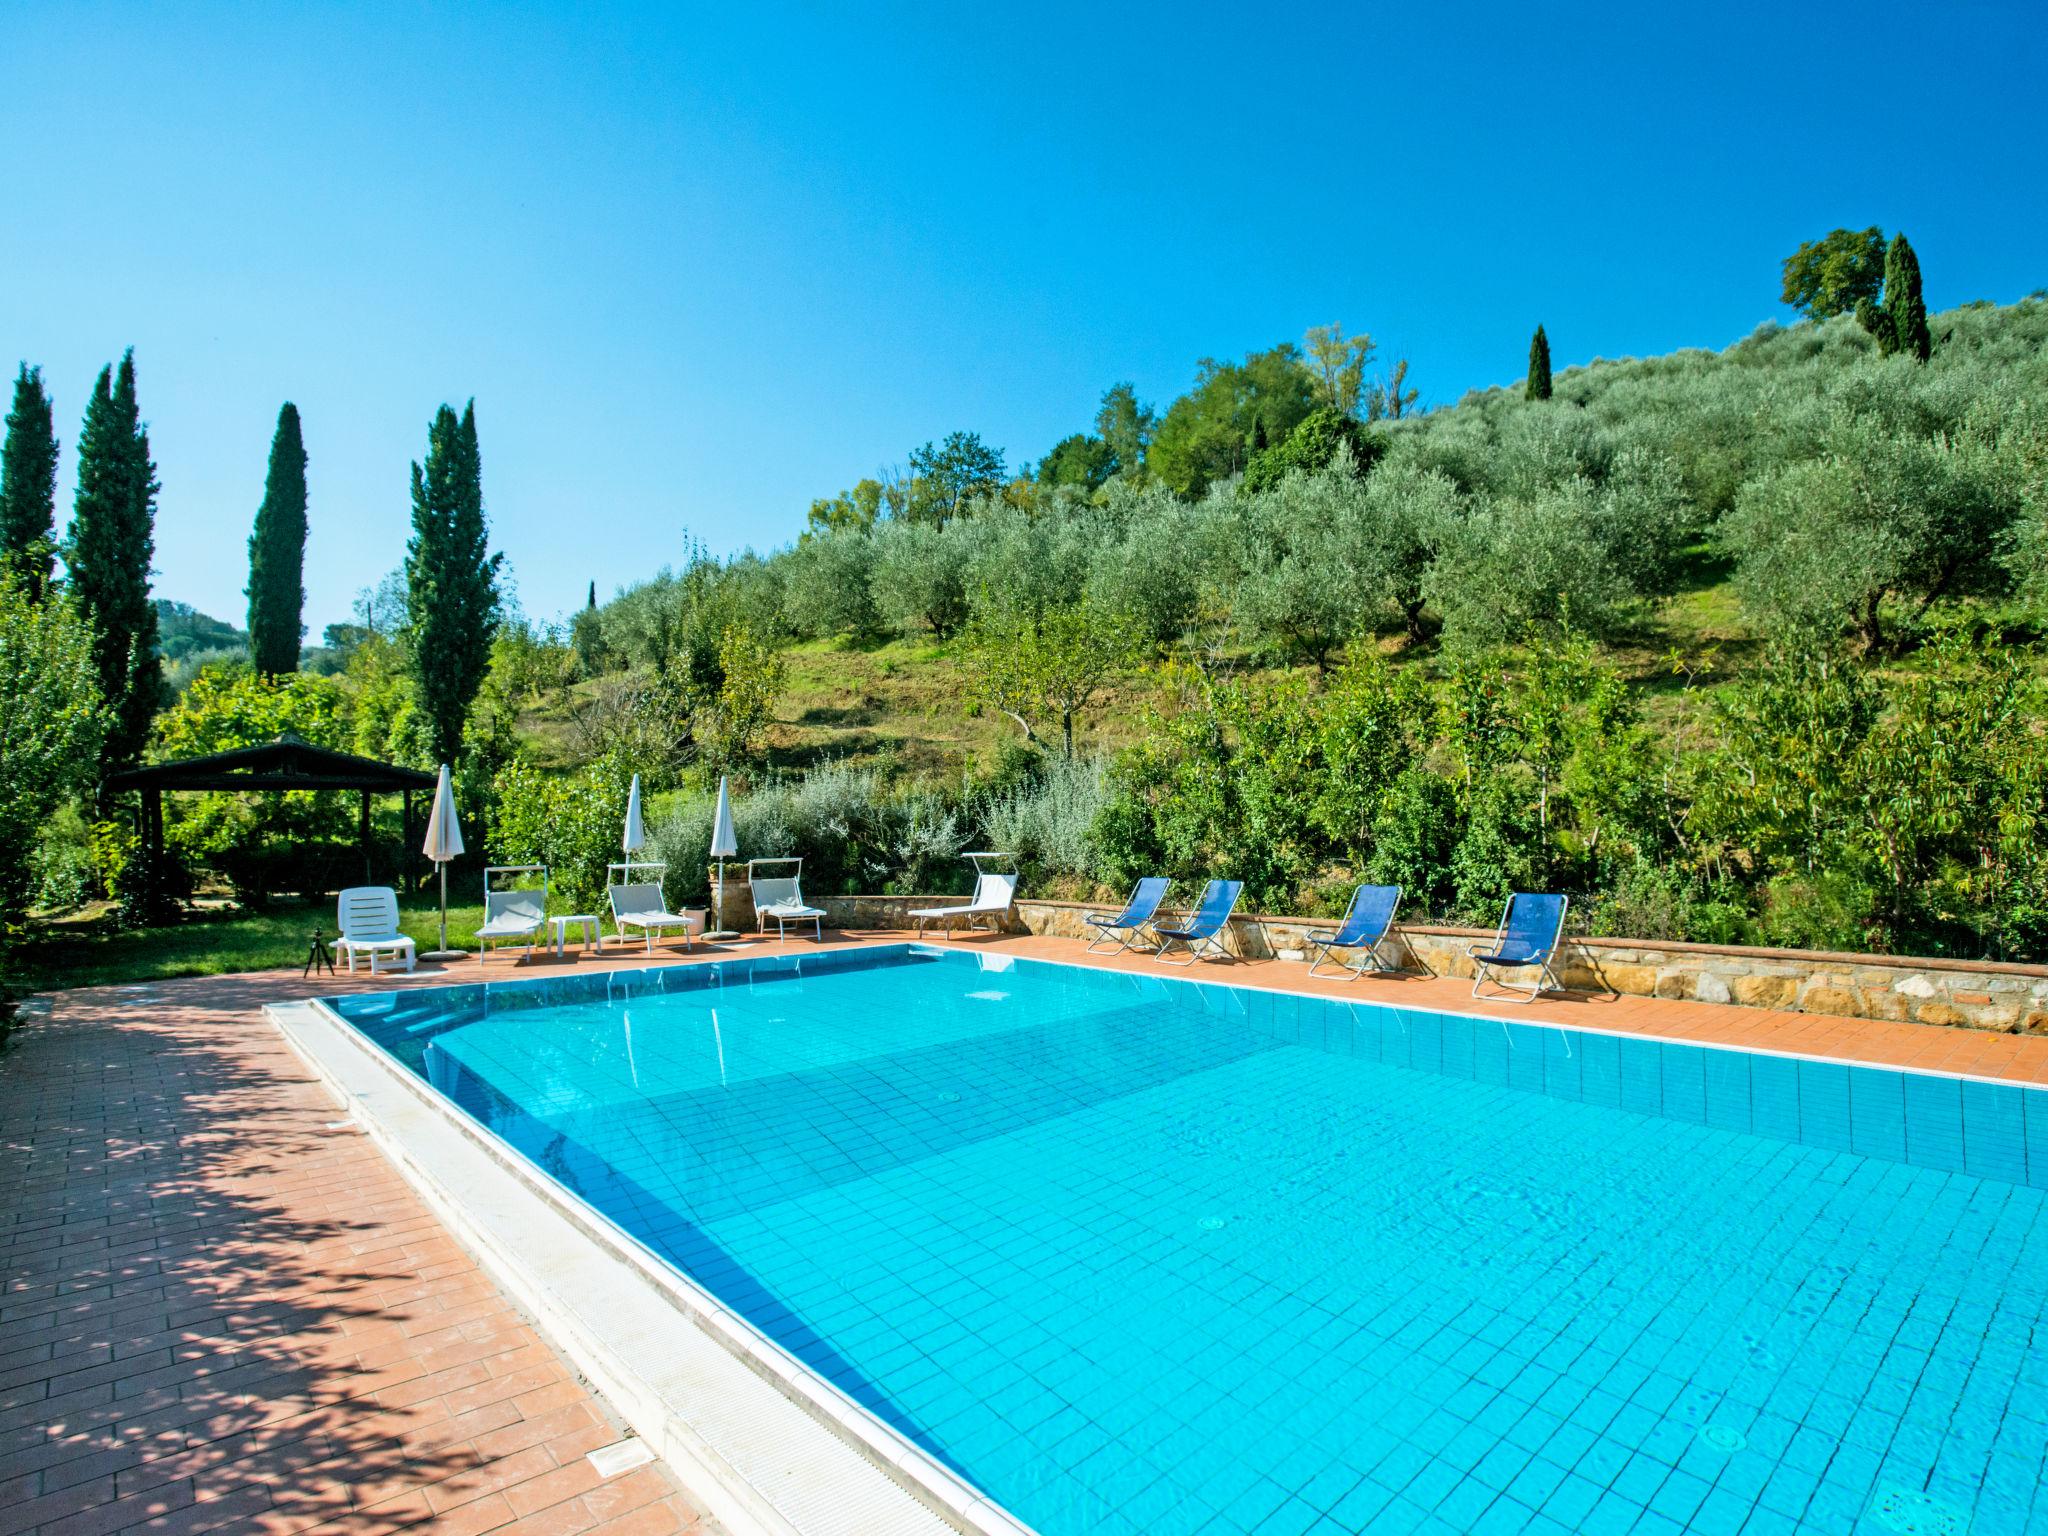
<point x="222" y="1312"/>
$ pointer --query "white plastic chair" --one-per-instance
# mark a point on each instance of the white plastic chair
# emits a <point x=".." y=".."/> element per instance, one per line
<point x="367" y="916"/>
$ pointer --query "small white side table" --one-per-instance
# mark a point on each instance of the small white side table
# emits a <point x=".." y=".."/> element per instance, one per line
<point x="593" y="931"/>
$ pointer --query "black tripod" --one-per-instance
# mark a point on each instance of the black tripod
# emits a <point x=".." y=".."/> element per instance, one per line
<point x="317" y="958"/>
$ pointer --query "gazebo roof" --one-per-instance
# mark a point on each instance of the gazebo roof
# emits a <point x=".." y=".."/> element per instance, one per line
<point x="290" y="762"/>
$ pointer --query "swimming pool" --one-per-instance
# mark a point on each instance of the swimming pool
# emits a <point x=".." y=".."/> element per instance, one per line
<point x="1143" y="1254"/>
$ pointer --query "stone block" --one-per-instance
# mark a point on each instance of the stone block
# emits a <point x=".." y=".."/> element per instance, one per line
<point x="1843" y="1002"/>
<point x="1936" y="1012"/>
<point x="1763" y="991"/>
<point x="1635" y="980"/>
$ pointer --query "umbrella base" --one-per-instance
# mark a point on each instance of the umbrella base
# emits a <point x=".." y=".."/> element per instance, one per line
<point x="723" y="936"/>
<point x="445" y="954"/>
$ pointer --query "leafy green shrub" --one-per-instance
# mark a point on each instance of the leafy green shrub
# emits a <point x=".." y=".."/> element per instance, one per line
<point x="62" y="867"/>
<point x="1323" y="438"/>
<point x="1049" y="821"/>
<point x="572" y="823"/>
<point x="853" y="834"/>
<point x="1501" y="852"/>
<point x="52" y="720"/>
<point x="1414" y="838"/>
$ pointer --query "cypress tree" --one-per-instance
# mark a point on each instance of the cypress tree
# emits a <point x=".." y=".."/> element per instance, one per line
<point x="1258" y="434"/>
<point x="113" y="540"/>
<point x="277" y="553"/>
<point x="1902" y="300"/>
<point x="1538" y="387"/>
<point x="592" y="604"/>
<point x="451" y="579"/>
<point x="28" y="486"/>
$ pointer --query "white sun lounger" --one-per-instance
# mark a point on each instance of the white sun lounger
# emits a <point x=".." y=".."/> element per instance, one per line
<point x="367" y="916"/>
<point x="782" y="898"/>
<point x="994" y="894"/>
<point x="510" y="916"/>
<point x="642" y="907"/>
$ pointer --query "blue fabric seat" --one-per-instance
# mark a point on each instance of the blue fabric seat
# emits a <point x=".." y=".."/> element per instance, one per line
<point x="1530" y="930"/>
<point x="1121" y="931"/>
<point x="1367" y="922"/>
<point x="1203" y="928"/>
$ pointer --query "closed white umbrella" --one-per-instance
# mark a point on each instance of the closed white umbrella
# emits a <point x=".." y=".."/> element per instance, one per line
<point x="725" y="844"/>
<point x="636" y="826"/>
<point x="444" y="842"/>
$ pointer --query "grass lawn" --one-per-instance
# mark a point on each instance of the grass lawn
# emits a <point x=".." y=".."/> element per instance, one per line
<point x="89" y="951"/>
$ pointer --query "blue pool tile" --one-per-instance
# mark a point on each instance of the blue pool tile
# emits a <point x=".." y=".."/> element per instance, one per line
<point x="1642" y="1076"/>
<point x="1457" y="1036"/>
<point x="1877" y="1114"/>
<point x="1490" y="1052"/>
<point x="1824" y="1105"/>
<point x="2034" y="1108"/>
<point x="1774" y="1096"/>
<point x="1425" y="1039"/>
<point x="1525" y="1057"/>
<point x="1685" y="1083"/>
<point x="1563" y="1057"/>
<point x="1728" y="1103"/>
<point x="1994" y="1132"/>
<point x="1934" y="1121"/>
<point x="1600" y="1073"/>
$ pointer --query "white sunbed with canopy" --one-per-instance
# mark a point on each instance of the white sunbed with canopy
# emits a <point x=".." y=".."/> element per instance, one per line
<point x="995" y="892"/>
<point x="781" y="896"/>
<point x="512" y="915"/>
<point x="639" y="904"/>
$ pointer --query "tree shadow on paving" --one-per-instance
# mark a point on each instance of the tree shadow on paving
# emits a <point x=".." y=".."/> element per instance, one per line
<point x="208" y="1292"/>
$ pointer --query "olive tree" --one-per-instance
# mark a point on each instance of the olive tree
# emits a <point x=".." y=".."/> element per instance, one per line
<point x="1881" y="516"/>
<point x="919" y="576"/>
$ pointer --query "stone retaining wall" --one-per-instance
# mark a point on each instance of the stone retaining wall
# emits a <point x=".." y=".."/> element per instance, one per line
<point x="1973" y="994"/>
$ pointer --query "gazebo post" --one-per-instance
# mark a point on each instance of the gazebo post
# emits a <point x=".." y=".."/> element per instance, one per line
<point x="412" y="867"/>
<point x="363" y="833"/>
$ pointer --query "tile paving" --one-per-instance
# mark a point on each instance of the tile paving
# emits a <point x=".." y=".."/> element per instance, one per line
<point x="224" y="1311"/>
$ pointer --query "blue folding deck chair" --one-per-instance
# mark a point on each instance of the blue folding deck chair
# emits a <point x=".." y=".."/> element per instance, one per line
<point x="1122" y="930"/>
<point x="1368" y="920"/>
<point x="1530" y="929"/>
<point x="1204" y="925"/>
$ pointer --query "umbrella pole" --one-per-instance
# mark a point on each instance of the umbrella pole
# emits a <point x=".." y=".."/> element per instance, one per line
<point x="444" y="952"/>
<point x="720" y="934"/>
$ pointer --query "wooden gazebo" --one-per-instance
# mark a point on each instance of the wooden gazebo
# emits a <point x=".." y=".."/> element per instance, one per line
<point x="290" y="762"/>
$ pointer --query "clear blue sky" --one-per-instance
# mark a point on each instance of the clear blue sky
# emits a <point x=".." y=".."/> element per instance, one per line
<point x="699" y="266"/>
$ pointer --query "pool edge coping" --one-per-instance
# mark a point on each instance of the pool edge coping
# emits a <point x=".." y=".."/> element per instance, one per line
<point x="745" y="1508"/>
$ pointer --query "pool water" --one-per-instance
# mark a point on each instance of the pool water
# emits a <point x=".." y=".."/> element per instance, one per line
<point x="1136" y="1254"/>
